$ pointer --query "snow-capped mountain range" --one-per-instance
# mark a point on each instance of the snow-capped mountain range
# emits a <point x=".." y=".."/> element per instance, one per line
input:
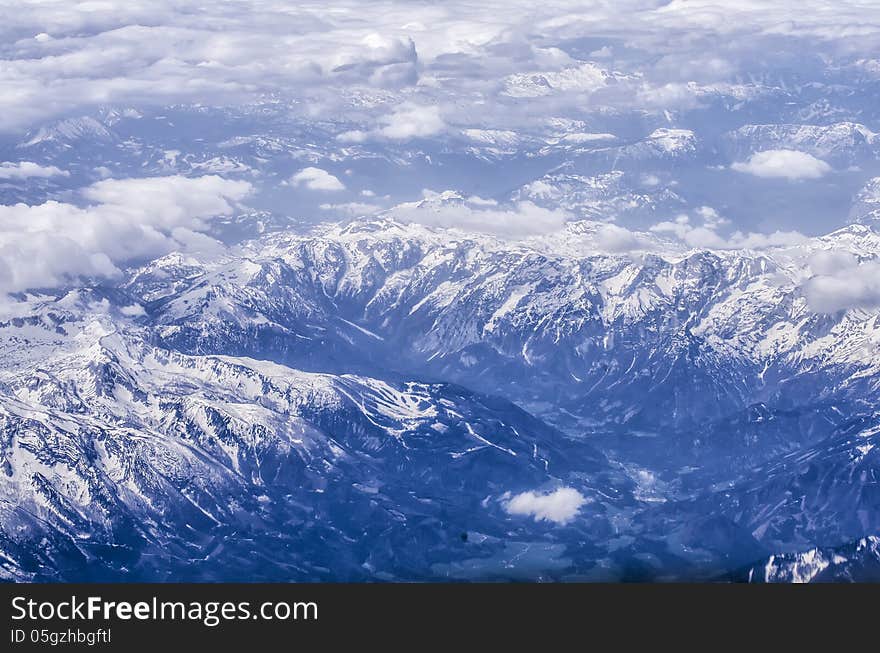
<point x="309" y="404"/>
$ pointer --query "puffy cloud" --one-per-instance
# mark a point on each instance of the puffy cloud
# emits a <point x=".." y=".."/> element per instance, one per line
<point x="711" y="218"/>
<point x="412" y="121"/>
<point x="827" y="262"/>
<point x="28" y="169"/>
<point x="384" y="60"/>
<point x="167" y="202"/>
<point x="788" y="164"/>
<point x="404" y="122"/>
<point x="612" y="238"/>
<point x="317" y="179"/>
<point x="841" y="282"/>
<point x="705" y="234"/>
<point x="450" y="210"/>
<point x="694" y="235"/>
<point x="560" y="506"/>
<point x="55" y="243"/>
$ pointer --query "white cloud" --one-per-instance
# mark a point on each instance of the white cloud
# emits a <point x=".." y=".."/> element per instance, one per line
<point x="695" y="236"/>
<point x="404" y="122"/>
<point x="788" y="164"/>
<point x="317" y="179"/>
<point x="412" y="121"/>
<point x="450" y="210"/>
<point x="55" y="243"/>
<point x="28" y="169"/>
<point x="841" y="282"/>
<point x="826" y="262"/>
<point x="168" y="202"/>
<point x="612" y="238"/>
<point x="705" y="234"/>
<point x="711" y="217"/>
<point x="560" y="506"/>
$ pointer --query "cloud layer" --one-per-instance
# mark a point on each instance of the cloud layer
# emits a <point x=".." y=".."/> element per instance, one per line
<point x="411" y="88"/>
<point x="420" y="65"/>
<point x="842" y="282"/>
<point x="126" y="220"/>
<point x="703" y="231"/>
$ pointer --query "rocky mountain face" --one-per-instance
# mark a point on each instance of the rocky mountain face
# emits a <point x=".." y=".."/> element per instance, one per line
<point x="707" y="336"/>
<point x="855" y="562"/>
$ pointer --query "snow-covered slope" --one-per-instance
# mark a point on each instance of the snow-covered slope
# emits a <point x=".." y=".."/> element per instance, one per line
<point x="121" y="460"/>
